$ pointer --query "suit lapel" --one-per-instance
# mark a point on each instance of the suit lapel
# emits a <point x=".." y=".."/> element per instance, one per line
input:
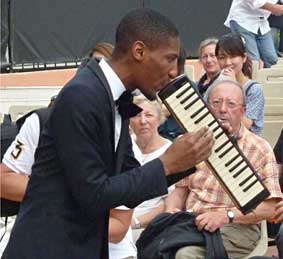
<point x="121" y="148"/>
<point x="95" y="68"/>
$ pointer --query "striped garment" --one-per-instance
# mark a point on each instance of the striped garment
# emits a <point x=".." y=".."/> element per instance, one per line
<point x="206" y="194"/>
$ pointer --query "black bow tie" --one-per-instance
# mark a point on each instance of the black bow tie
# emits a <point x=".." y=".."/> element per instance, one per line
<point x="126" y="107"/>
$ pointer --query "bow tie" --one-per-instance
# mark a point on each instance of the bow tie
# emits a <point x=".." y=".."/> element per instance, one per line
<point x="126" y="107"/>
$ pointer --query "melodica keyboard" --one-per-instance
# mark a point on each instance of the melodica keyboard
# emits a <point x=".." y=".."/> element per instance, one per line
<point x="227" y="162"/>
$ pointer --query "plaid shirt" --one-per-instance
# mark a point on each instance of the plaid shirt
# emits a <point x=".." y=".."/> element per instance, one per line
<point x="205" y="192"/>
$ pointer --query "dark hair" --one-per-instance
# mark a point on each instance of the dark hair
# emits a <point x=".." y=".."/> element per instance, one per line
<point x="181" y="60"/>
<point x="232" y="44"/>
<point x="145" y="25"/>
<point x="52" y="100"/>
<point x="104" y="48"/>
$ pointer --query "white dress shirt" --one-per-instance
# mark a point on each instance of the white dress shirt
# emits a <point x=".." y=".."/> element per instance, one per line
<point x="117" y="88"/>
<point x="249" y="15"/>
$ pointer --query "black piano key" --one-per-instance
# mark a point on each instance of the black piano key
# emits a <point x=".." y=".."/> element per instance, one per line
<point x="191" y="103"/>
<point x="245" y="180"/>
<point x="235" y="166"/>
<point x="232" y="159"/>
<point x="240" y="171"/>
<point x="184" y="91"/>
<point x="216" y="128"/>
<point x="186" y="98"/>
<point x="219" y="134"/>
<point x="250" y="185"/>
<point x="202" y="117"/>
<point x="226" y="151"/>
<point x="222" y="146"/>
<point x="211" y="123"/>
<point x="197" y="112"/>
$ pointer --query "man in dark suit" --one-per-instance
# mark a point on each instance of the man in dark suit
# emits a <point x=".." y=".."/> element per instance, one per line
<point x="84" y="164"/>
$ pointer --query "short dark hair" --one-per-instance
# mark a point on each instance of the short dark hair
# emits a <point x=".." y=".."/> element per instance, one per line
<point x="145" y="25"/>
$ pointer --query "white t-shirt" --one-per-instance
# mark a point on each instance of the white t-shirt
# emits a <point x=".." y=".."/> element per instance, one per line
<point x="148" y="205"/>
<point x="126" y="247"/>
<point x="249" y="15"/>
<point x="19" y="157"/>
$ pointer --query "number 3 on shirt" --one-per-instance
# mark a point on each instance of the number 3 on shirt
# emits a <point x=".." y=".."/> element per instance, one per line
<point x="18" y="149"/>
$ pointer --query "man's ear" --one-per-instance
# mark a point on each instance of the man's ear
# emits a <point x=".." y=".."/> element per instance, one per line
<point x="139" y="50"/>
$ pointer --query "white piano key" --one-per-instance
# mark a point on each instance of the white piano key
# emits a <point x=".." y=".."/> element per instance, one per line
<point x="234" y="163"/>
<point x="222" y="161"/>
<point x="172" y="97"/>
<point x="246" y="197"/>
<point x="215" y="160"/>
<point x="195" y="107"/>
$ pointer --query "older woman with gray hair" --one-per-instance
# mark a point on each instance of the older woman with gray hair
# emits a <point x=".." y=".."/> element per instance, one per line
<point x="148" y="144"/>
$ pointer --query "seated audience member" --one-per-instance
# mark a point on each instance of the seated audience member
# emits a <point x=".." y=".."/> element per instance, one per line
<point x="15" y="167"/>
<point x="52" y="100"/>
<point x="203" y="195"/>
<point x="209" y="63"/>
<point x="234" y="62"/>
<point x="148" y="144"/>
<point x="273" y="227"/>
<point x="170" y="128"/>
<point x="121" y="244"/>
<point x="279" y="237"/>
<point x="101" y="50"/>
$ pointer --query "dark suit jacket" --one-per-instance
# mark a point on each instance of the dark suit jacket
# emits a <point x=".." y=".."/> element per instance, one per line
<point x="77" y="176"/>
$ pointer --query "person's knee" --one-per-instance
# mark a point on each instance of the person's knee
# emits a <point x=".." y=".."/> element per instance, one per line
<point x="273" y="60"/>
<point x="182" y="253"/>
<point x="270" y="60"/>
<point x="190" y="252"/>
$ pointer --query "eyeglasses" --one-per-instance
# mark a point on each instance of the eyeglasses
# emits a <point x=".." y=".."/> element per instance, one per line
<point x="216" y="104"/>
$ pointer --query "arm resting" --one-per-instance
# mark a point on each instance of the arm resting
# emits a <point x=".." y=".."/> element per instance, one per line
<point x="13" y="185"/>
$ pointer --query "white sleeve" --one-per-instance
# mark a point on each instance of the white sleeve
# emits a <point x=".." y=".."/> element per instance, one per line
<point x="122" y="207"/>
<point x="19" y="157"/>
<point x="259" y="3"/>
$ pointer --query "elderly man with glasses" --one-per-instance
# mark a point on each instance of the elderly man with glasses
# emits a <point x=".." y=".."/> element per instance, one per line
<point x="202" y="194"/>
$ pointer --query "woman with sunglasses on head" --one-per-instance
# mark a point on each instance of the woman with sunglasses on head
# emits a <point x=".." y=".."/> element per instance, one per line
<point x="234" y="62"/>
